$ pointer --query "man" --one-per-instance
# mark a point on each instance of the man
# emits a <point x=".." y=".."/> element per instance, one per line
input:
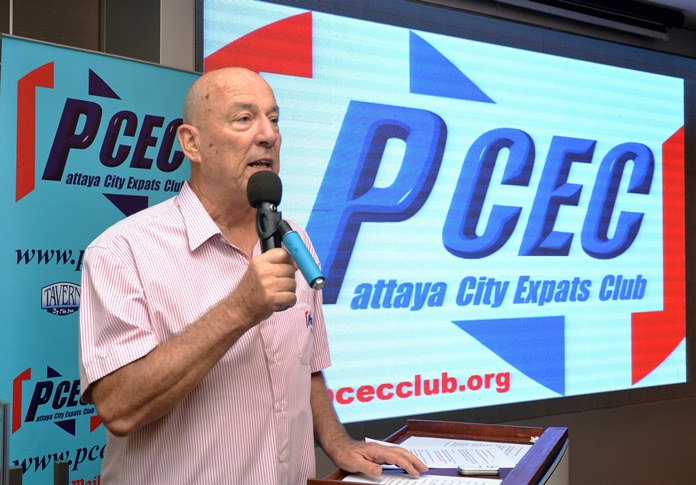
<point x="203" y="355"/>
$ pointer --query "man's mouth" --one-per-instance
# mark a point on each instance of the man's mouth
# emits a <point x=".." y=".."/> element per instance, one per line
<point x="261" y="164"/>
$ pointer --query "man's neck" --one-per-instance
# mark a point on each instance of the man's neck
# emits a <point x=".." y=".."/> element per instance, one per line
<point x="236" y="220"/>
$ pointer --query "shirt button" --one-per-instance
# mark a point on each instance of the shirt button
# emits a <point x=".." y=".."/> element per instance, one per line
<point x="273" y="358"/>
<point x="283" y="457"/>
<point x="280" y="407"/>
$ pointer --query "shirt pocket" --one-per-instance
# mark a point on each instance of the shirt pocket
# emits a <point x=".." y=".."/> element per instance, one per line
<point x="304" y="332"/>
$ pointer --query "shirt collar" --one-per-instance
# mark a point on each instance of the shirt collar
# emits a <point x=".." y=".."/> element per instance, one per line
<point x="199" y="225"/>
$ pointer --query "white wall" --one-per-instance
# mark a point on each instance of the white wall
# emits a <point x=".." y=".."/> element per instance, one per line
<point x="177" y="34"/>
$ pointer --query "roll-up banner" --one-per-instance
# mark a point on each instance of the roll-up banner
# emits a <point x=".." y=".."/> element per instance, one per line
<point x="85" y="139"/>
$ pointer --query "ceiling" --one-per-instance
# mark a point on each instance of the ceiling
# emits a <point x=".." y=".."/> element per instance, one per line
<point x="637" y="14"/>
<point x="687" y="7"/>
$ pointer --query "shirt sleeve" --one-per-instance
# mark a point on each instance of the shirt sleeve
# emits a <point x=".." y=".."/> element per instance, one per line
<point x="115" y="327"/>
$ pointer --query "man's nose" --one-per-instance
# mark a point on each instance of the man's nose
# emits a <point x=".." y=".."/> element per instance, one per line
<point x="268" y="133"/>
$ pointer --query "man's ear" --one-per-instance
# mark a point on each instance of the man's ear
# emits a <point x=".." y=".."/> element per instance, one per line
<point x="189" y="141"/>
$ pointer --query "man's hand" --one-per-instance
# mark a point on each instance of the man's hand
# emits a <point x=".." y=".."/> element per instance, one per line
<point x="346" y="453"/>
<point x="360" y="457"/>
<point x="267" y="286"/>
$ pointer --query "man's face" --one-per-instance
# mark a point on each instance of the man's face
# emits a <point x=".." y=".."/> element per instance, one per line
<point x="239" y="132"/>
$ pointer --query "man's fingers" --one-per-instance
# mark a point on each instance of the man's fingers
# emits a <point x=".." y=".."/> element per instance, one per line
<point x="395" y="455"/>
<point x="268" y="285"/>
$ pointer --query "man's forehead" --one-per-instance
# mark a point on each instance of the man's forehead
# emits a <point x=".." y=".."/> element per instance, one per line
<point x="247" y="90"/>
<point x="253" y="106"/>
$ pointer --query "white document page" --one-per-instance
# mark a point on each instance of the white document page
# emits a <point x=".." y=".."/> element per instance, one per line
<point x="449" y="453"/>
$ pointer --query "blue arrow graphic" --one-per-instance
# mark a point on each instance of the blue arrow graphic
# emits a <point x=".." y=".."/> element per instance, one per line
<point x="99" y="87"/>
<point x="534" y="346"/>
<point x="433" y="74"/>
<point x="128" y="204"/>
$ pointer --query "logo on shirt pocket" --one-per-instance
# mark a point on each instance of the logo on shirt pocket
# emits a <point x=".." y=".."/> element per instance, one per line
<point x="305" y="336"/>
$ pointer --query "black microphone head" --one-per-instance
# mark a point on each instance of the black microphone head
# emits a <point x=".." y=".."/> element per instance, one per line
<point x="264" y="186"/>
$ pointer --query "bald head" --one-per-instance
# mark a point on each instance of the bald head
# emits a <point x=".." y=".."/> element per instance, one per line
<point x="207" y="90"/>
<point x="230" y="130"/>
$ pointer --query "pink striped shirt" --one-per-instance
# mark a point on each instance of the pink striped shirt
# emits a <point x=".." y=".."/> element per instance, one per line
<point x="249" y="420"/>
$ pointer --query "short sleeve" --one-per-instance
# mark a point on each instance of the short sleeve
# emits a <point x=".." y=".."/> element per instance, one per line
<point x="115" y="327"/>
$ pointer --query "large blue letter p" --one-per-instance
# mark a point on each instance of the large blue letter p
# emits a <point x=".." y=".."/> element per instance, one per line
<point x="348" y="197"/>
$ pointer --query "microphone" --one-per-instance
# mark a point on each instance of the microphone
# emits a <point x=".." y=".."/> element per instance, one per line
<point x="264" y="191"/>
<point x="297" y="249"/>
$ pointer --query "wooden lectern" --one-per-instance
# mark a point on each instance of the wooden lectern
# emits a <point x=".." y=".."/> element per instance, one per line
<point x="547" y="447"/>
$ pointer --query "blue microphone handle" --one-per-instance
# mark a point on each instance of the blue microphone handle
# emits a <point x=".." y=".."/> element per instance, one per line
<point x="297" y="249"/>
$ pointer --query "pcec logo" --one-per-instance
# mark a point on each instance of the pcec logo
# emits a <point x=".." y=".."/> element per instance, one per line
<point x="612" y="174"/>
<point x="97" y="132"/>
<point x="53" y="399"/>
<point x="61" y="298"/>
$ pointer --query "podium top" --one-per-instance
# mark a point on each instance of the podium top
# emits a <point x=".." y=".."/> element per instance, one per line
<point x="546" y="445"/>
